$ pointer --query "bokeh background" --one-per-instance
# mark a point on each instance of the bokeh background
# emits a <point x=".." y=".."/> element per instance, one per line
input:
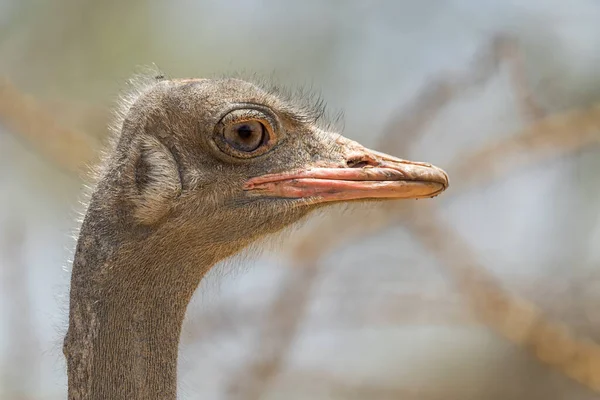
<point x="358" y="304"/>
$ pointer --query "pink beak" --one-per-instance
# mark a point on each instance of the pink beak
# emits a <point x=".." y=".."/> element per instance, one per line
<point x="369" y="175"/>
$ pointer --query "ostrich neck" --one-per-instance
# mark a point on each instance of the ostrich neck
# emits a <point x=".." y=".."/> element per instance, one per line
<point x="127" y="305"/>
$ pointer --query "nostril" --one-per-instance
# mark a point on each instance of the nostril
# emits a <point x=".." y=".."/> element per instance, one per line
<point x="361" y="160"/>
<point x="356" y="163"/>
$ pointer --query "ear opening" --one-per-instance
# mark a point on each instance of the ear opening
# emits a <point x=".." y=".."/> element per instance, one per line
<point x="157" y="181"/>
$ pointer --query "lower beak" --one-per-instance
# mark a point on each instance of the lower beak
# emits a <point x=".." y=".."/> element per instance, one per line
<point x="369" y="175"/>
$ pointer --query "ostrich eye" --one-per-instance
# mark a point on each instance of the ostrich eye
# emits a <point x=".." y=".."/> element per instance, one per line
<point x="246" y="133"/>
<point x="246" y="136"/>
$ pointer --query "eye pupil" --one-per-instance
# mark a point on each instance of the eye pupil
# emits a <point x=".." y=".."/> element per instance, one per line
<point x="245" y="132"/>
<point x="246" y="136"/>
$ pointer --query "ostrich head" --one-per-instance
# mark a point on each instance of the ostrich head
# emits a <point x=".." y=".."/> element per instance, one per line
<point x="200" y="169"/>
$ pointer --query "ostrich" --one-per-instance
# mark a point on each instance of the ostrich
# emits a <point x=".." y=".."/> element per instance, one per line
<point x="199" y="170"/>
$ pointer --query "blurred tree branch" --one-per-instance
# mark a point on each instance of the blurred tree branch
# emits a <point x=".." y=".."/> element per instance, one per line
<point x="552" y="137"/>
<point x="22" y="115"/>
<point x="515" y="318"/>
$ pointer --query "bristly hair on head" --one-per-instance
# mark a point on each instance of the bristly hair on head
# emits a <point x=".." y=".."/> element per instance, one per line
<point x="304" y="101"/>
<point x="143" y="80"/>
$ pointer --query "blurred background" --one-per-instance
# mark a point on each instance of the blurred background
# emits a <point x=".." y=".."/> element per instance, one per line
<point x="418" y="301"/>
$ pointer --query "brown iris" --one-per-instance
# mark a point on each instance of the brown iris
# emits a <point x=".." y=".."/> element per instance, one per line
<point x="245" y="136"/>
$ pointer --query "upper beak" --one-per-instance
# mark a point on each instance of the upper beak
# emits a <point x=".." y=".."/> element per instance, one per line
<point x="367" y="174"/>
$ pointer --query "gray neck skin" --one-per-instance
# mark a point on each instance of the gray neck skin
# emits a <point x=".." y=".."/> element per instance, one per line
<point x="127" y="303"/>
